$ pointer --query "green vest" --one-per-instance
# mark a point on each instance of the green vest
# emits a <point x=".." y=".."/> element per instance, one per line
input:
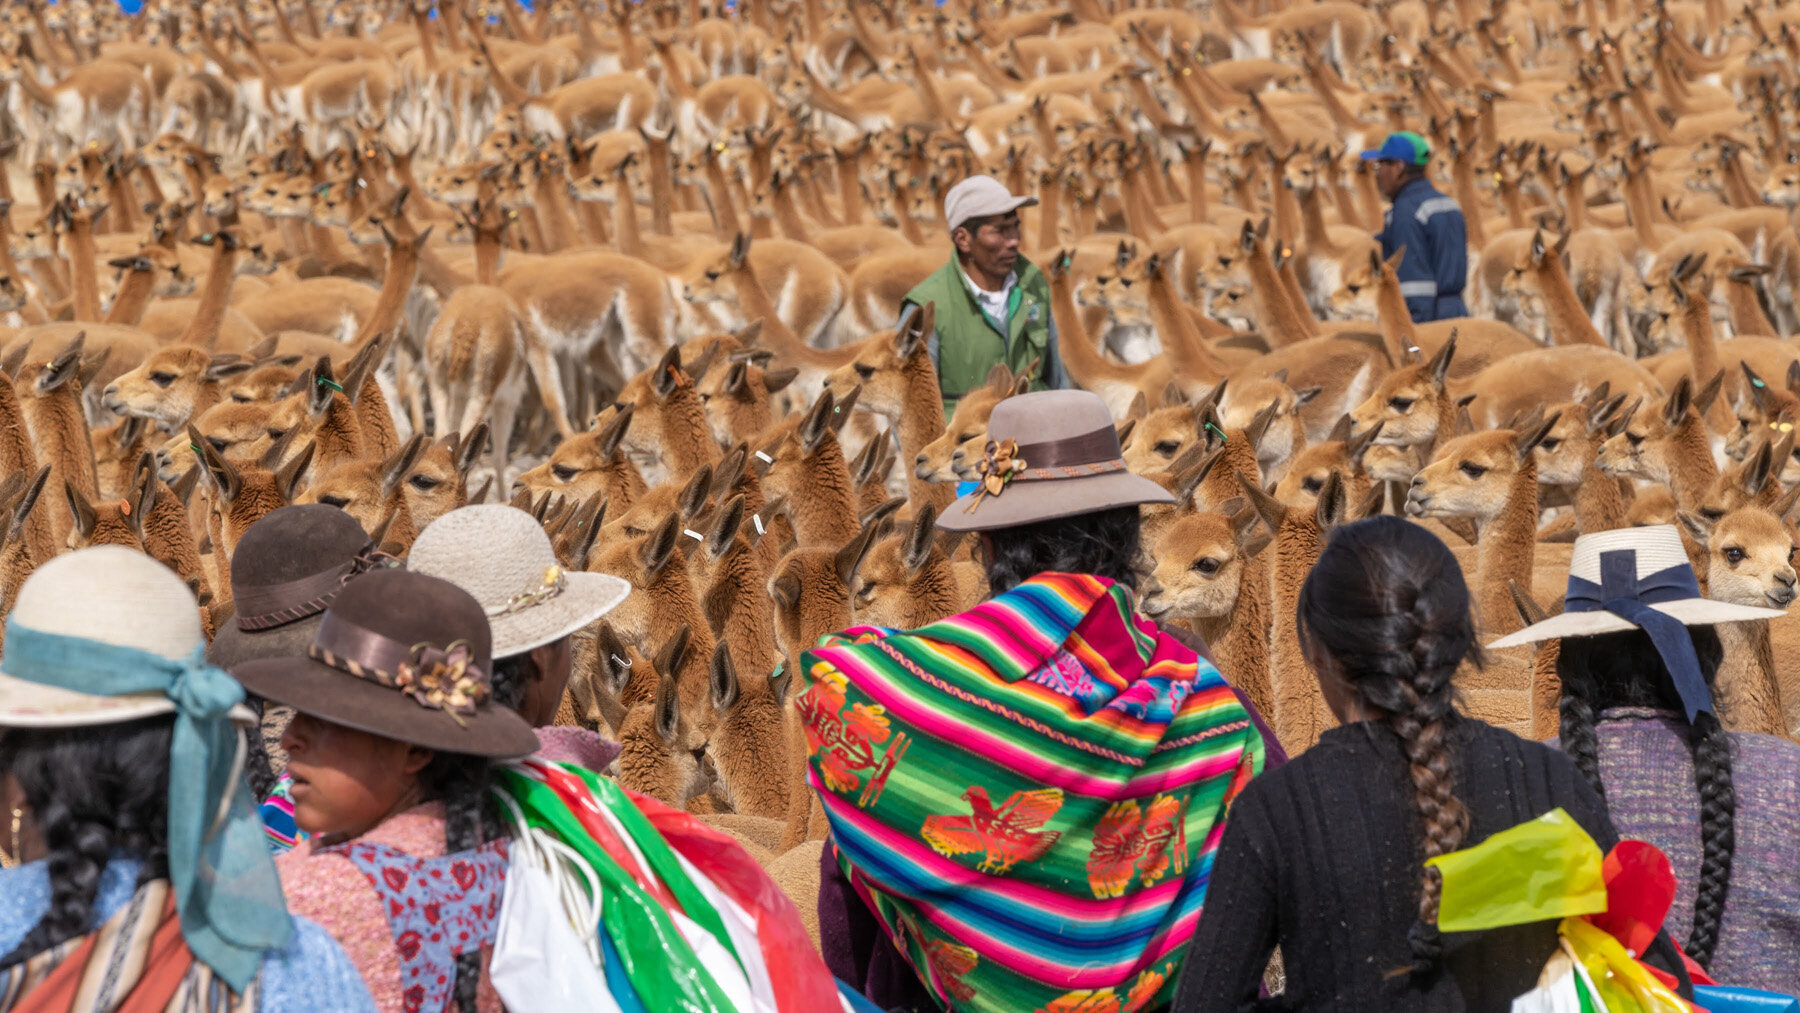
<point x="969" y="343"/>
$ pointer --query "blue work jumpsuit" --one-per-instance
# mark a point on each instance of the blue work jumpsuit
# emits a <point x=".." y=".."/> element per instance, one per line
<point x="1436" y="266"/>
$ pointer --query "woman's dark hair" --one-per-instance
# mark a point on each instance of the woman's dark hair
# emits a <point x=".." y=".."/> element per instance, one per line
<point x="92" y="791"/>
<point x="1625" y="670"/>
<point x="461" y="782"/>
<point x="259" y="770"/>
<point x="1106" y="543"/>
<point x="511" y="675"/>
<point x="1386" y="601"/>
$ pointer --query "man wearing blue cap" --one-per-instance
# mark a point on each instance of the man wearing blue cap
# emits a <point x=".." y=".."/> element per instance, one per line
<point x="1426" y="224"/>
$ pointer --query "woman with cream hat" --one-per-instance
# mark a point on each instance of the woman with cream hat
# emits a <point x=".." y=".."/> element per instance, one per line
<point x="501" y="556"/>
<point x="145" y="877"/>
<point x="1637" y="659"/>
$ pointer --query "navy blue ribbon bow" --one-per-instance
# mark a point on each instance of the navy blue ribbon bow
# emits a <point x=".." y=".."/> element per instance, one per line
<point x="1626" y="595"/>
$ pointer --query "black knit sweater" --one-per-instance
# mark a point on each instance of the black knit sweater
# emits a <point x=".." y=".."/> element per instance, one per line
<point x="1323" y="857"/>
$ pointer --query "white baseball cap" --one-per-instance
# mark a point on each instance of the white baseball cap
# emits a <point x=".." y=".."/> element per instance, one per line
<point x="980" y="197"/>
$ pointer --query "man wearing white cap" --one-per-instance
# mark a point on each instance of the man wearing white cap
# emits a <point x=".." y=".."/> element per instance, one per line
<point x="993" y="305"/>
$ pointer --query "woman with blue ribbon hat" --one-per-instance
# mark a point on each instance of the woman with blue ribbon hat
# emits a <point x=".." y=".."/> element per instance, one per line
<point x="1638" y="657"/>
<point x="139" y="877"/>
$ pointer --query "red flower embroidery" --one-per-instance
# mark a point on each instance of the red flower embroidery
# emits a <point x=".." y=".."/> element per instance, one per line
<point x="408" y="944"/>
<point x="464" y="874"/>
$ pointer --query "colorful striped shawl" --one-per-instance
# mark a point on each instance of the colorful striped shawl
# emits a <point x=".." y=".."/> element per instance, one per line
<point x="1029" y="794"/>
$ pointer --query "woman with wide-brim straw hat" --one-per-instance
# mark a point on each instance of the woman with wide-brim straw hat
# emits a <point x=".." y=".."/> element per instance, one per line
<point x="288" y="568"/>
<point x="984" y="761"/>
<point x="145" y="870"/>
<point x="501" y="556"/>
<point x="390" y="749"/>
<point x="1637" y="659"/>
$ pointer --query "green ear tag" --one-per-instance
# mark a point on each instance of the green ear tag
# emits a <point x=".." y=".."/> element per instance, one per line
<point x="333" y="384"/>
<point x="195" y="447"/>
<point x="1216" y="429"/>
<point x="1758" y="384"/>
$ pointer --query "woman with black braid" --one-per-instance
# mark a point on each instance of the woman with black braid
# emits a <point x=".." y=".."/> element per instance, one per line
<point x="1637" y="658"/>
<point x="1724" y="806"/>
<point x="1323" y="857"/>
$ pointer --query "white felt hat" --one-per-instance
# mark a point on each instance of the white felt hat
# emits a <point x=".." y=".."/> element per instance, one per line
<point x="501" y="556"/>
<point x="110" y="595"/>
<point x="1657" y="548"/>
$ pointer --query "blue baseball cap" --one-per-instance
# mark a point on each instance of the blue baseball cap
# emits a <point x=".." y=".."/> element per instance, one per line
<point x="1404" y="146"/>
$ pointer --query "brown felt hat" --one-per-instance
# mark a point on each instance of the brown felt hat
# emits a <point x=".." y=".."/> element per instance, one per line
<point x="401" y="655"/>
<point x="1049" y="454"/>
<point x="287" y="569"/>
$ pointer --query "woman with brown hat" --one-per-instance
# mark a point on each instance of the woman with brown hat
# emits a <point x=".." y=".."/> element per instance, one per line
<point x="145" y="883"/>
<point x="1028" y="793"/>
<point x="389" y="750"/>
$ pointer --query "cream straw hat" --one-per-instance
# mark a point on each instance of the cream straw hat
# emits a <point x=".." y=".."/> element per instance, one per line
<point x="109" y="595"/>
<point x="502" y="557"/>
<point x="1639" y="578"/>
<point x="1657" y="549"/>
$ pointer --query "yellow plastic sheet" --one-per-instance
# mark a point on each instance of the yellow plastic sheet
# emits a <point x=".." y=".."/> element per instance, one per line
<point x="1546" y="869"/>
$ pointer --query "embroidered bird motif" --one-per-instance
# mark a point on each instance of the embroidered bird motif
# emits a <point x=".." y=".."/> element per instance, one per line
<point x="1005" y="836"/>
<point x="948" y="963"/>
<point x="1132" y="841"/>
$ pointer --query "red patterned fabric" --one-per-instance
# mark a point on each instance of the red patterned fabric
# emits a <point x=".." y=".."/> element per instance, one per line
<point x="437" y="909"/>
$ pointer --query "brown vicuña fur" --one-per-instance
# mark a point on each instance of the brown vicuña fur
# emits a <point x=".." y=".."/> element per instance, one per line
<point x="899" y="384"/>
<point x="1300" y="714"/>
<point x="906" y="580"/>
<point x="1749" y="554"/>
<point x="49" y="397"/>
<point x="747" y="744"/>
<point x="1212" y="575"/>
<point x="806" y="466"/>
<point x="662" y="599"/>
<point x="1490" y="477"/>
<point x="1665" y="444"/>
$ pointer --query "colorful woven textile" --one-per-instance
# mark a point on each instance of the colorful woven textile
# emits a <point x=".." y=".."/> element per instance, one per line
<point x="1029" y="794"/>
<point x="136" y="963"/>
<point x="278" y="817"/>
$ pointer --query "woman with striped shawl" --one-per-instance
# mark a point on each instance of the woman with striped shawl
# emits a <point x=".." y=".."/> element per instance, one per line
<point x="1025" y="798"/>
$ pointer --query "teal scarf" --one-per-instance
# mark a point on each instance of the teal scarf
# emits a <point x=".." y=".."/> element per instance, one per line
<point x="224" y="879"/>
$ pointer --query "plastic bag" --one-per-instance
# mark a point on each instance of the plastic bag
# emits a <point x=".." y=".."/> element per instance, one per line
<point x="1545" y="869"/>
<point x="540" y="963"/>
<point x="1563" y="987"/>
<point x="1623" y="985"/>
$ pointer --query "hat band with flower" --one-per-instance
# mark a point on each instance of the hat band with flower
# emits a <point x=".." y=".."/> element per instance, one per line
<point x="437" y="678"/>
<point x="272" y="605"/>
<point x="1008" y="461"/>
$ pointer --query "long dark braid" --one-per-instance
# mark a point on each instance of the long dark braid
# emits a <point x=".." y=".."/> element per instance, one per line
<point x="1625" y="670"/>
<point x="461" y="782"/>
<point x="1387" y="609"/>
<point x="91" y="791"/>
<point x="258" y="770"/>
